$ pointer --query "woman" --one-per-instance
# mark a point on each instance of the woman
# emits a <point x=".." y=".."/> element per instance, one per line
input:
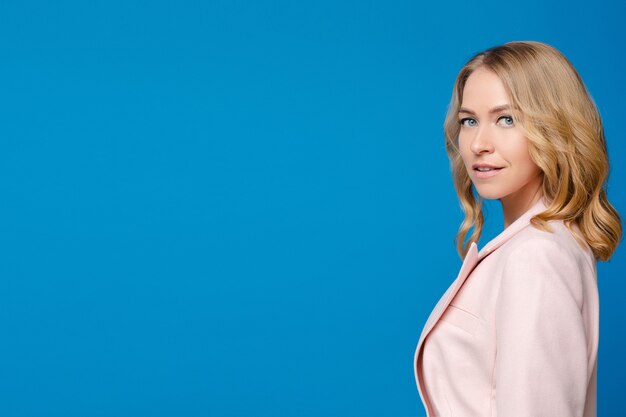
<point x="516" y="334"/>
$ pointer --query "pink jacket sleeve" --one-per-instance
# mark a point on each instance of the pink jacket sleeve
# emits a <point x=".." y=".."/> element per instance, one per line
<point x="541" y="358"/>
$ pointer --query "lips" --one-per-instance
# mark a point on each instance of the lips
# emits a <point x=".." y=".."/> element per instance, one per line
<point x="484" y="167"/>
<point x="486" y="171"/>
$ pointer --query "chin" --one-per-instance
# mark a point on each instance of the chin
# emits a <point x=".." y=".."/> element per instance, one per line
<point x="488" y="194"/>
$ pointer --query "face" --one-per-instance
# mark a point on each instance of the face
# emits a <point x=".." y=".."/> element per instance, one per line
<point x="493" y="148"/>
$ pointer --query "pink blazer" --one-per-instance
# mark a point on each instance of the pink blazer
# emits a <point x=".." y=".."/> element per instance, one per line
<point x="516" y="334"/>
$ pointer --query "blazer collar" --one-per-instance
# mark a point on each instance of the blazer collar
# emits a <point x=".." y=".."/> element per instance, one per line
<point x="520" y="223"/>
<point x="472" y="258"/>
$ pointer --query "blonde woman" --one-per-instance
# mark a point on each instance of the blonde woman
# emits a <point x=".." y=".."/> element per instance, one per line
<point x="516" y="334"/>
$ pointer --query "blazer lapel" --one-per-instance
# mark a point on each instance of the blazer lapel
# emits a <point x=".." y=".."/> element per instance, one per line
<point x="470" y="261"/>
<point x="472" y="258"/>
<point x="509" y="232"/>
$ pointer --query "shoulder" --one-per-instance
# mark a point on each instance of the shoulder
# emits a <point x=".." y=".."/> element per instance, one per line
<point x="559" y="245"/>
<point x="552" y="262"/>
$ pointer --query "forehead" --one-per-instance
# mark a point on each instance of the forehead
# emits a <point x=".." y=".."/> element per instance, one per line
<point x="484" y="88"/>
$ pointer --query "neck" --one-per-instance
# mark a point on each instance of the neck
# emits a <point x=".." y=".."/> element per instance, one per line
<point x="514" y="205"/>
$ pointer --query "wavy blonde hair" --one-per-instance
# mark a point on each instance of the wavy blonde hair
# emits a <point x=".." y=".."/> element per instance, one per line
<point x="565" y="139"/>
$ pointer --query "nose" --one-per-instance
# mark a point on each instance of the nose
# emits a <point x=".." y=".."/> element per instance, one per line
<point x="481" y="142"/>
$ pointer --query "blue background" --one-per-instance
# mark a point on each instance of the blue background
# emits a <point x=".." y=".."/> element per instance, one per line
<point x="244" y="208"/>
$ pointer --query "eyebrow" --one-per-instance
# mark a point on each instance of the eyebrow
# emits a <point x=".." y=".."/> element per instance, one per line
<point x="492" y="111"/>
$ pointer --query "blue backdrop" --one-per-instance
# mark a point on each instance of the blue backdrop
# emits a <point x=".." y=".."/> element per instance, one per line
<point x="226" y="208"/>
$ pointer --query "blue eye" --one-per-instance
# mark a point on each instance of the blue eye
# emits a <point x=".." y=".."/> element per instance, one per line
<point x="508" y="120"/>
<point x="467" y="119"/>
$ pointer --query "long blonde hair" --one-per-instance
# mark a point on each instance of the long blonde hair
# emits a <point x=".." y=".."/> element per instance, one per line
<point x="565" y="139"/>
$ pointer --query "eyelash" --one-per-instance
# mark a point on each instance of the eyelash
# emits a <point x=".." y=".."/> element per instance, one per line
<point x="501" y="117"/>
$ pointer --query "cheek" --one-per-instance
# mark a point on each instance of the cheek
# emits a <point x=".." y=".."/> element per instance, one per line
<point x="519" y="156"/>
